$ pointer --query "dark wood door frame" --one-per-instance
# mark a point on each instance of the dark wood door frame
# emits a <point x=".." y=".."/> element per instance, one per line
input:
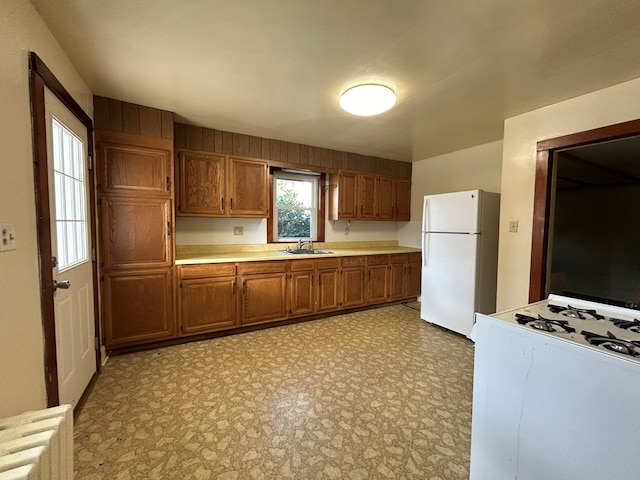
<point x="40" y="77"/>
<point x="546" y="150"/>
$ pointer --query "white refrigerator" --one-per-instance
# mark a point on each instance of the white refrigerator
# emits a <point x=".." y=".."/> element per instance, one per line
<point x="459" y="258"/>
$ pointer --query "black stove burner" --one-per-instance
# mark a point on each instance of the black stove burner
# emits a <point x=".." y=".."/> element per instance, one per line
<point x="631" y="325"/>
<point x="613" y="343"/>
<point x="573" y="312"/>
<point x="544" y="324"/>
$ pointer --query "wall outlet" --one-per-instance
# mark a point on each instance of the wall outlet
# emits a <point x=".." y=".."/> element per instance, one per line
<point x="513" y="226"/>
<point x="346" y="230"/>
<point x="238" y="231"/>
<point x="7" y="237"/>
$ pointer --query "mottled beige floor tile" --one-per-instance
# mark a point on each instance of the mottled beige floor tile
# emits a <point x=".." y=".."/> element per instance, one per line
<point x="372" y="395"/>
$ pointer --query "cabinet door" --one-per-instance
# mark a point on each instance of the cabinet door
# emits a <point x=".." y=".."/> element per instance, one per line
<point x="397" y="277"/>
<point x="248" y="188"/>
<point x="377" y="283"/>
<point x="134" y="170"/>
<point x="414" y="274"/>
<point x="343" y="202"/>
<point x="301" y="293"/>
<point x="403" y="199"/>
<point x="328" y="289"/>
<point x="386" y="198"/>
<point x="207" y="304"/>
<point x="201" y="184"/>
<point x="264" y="297"/>
<point x="367" y="192"/>
<point x="136" y="232"/>
<point x="353" y="282"/>
<point x="138" y="307"/>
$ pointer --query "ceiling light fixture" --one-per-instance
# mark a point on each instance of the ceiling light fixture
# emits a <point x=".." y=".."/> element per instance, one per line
<point x="367" y="99"/>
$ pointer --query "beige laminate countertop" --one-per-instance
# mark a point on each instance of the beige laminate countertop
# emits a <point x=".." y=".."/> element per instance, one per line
<point x="247" y="253"/>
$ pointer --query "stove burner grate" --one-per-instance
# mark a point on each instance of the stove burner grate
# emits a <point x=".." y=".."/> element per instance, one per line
<point x="544" y="324"/>
<point x="573" y="312"/>
<point x="613" y="343"/>
<point x="631" y="325"/>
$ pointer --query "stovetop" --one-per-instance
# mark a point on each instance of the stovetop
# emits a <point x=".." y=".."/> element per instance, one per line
<point x="605" y="328"/>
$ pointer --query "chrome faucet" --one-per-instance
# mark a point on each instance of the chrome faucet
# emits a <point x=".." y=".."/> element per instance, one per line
<point x="307" y="242"/>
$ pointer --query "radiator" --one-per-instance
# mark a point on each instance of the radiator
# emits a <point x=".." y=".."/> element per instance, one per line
<point x="37" y="445"/>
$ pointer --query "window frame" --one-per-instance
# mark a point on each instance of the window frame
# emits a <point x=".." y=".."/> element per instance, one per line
<point x="319" y="179"/>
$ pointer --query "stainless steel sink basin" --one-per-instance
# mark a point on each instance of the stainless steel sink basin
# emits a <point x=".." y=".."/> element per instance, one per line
<point x="305" y="251"/>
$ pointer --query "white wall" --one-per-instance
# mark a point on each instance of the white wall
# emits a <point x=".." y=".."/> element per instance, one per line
<point x="612" y="105"/>
<point x="473" y="168"/>
<point x="21" y="339"/>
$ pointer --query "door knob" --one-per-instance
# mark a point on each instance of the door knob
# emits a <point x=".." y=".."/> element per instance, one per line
<point x="65" y="284"/>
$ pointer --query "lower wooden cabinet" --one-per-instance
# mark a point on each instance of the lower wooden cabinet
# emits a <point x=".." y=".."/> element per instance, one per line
<point x="214" y="297"/>
<point x="207" y="298"/>
<point x="397" y="277"/>
<point x="138" y="307"/>
<point x="302" y="292"/>
<point x="353" y="282"/>
<point x="264" y="291"/>
<point x="329" y="287"/>
<point x="414" y="274"/>
<point x="377" y="278"/>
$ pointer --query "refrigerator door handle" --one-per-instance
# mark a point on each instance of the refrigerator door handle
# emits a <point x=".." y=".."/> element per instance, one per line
<point x="425" y="215"/>
<point x="425" y="250"/>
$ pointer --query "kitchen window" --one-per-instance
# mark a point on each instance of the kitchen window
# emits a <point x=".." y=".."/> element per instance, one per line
<point x="296" y="212"/>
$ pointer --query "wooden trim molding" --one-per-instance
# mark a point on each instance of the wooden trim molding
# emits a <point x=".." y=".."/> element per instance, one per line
<point x="542" y="198"/>
<point x="40" y="77"/>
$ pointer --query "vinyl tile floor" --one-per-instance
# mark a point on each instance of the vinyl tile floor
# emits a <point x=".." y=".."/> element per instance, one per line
<point x="378" y="394"/>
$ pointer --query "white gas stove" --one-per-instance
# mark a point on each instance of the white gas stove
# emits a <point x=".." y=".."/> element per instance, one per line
<point x="556" y="392"/>
<point x="607" y="328"/>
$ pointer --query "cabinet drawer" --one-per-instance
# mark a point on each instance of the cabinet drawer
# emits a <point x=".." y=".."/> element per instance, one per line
<point x="398" y="258"/>
<point x="328" y="263"/>
<point x="250" y="268"/>
<point x="352" y="261"/>
<point x="415" y="257"/>
<point x="299" y="265"/>
<point x="377" y="259"/>
<point x="208" y="270"/>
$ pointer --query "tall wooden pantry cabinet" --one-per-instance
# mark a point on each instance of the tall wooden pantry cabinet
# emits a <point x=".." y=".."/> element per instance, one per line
<point x="134" y="165"/>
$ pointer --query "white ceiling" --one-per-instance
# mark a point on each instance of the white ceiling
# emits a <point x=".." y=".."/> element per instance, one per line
<point x="275" y="68"/>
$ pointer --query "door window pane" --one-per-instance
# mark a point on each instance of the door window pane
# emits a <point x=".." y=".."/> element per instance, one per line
<point x="69" y="194"/>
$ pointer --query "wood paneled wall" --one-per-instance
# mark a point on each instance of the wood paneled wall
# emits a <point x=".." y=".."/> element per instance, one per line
<point x="218" y="141"/>
<point x="118" y="116"/>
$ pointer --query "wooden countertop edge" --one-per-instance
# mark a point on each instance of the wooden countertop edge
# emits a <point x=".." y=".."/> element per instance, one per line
<point x="278" y="255"/>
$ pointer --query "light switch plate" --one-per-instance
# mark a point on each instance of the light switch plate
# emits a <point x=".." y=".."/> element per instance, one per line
<point x="513" y="226"/>
<point x="238" y="231"/>
<point x="7" y="237"/>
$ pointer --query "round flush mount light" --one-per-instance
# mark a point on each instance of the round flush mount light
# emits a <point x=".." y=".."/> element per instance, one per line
<point x="367" y="99"/>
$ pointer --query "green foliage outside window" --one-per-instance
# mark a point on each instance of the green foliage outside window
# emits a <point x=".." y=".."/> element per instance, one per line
<point x="295" y="221"/>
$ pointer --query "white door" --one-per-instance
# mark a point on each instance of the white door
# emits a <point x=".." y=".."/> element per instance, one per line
<point x="449" y="280"/>
<point x="71" y="247"/>
<point x="452" y="212"/>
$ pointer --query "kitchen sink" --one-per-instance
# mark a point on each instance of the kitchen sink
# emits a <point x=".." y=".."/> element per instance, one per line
<point x="305" y="251"/>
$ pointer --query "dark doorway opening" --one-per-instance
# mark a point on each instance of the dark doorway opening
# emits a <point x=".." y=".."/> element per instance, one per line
<point x="561" y="155"/>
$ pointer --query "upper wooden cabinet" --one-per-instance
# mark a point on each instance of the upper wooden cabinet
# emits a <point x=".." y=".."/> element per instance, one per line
<point x="214" y="185"/>
<point x="201" y="181"/>
<point x="134" y="170"/>
<point x="402" y="199"/>
<point x="248" y="188"/>
<point x="363" y="196"/>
